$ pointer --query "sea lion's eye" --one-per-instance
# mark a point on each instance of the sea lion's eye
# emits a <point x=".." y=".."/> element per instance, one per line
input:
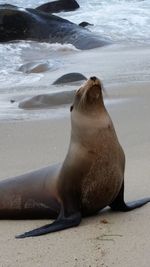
<point x="71" y="108"/>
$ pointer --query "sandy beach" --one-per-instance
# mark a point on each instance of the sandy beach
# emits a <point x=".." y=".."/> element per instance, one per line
<point x="124" y="239"/>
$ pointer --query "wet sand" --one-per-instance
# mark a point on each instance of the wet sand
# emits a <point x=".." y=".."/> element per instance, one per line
<point x="124" y="239"/>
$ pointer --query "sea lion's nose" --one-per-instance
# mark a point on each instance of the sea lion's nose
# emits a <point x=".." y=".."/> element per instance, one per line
<point x="93" y="78"/>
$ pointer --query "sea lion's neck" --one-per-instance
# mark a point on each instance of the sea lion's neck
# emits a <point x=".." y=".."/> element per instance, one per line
<point x="87" y="126"/>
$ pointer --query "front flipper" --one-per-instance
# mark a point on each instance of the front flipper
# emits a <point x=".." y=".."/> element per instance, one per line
<point x="119" y="205"/>
<point x="58" y="225"/>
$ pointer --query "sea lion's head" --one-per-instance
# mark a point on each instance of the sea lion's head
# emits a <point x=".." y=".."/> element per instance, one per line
<point x="88" y="98"/>
<point x="88" y="113"/>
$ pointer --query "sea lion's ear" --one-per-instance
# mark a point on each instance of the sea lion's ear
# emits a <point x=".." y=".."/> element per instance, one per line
<point x="71" y="108"/>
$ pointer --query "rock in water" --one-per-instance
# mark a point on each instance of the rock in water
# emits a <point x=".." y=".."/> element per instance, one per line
<point x="58" y="6"/>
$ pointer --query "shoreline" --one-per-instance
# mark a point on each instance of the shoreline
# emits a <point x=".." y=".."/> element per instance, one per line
<point x="114" y="65"/>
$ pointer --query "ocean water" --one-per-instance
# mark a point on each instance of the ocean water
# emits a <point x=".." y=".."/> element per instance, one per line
<point x="124" y="22"/>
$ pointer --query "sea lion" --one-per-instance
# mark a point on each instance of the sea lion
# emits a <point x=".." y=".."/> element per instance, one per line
<point x="34" y="67"/>
<point x="30" y="24"/>
<point x="90" y="178"/>
<point x="58" y="6"/>
<point x="47" y="100"/>
<point x="55" y="98"/>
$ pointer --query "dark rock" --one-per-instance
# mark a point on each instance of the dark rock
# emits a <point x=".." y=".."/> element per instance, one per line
<point x="58" y="6"/>
<point x="30" y="24"/>
<point x="85" y="24"/>
<point x="70" y="77"/>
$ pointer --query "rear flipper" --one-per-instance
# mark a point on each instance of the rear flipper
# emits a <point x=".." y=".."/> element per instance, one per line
<point x="58" y="225"/>
<point x="119" y="205"/>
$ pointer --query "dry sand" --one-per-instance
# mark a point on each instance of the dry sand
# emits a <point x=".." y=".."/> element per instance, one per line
<point x="125" y="239"/>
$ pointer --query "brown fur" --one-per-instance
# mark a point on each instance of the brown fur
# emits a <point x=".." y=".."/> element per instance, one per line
<point x="95" y="157"/>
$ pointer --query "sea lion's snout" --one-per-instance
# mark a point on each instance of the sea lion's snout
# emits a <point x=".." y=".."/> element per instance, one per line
<point x="88" y="85"/>
<point x="94" y="81"/>
<point x="92" y="84"/>
<point x="93" y="78"/>
<point x="89" y="95"/>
